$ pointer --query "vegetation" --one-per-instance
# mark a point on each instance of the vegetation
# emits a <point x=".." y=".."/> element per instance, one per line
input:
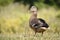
<point x="40" y="3"/>
<point x="14" y="19"/>
<point x="5" y="2"/>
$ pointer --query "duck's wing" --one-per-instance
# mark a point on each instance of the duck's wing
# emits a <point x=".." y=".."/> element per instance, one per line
<point x="43" y="23"/>
<point x="41" y="20"/>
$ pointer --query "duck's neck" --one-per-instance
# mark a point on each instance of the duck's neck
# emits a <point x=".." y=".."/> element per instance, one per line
<point x="34" y="16"/>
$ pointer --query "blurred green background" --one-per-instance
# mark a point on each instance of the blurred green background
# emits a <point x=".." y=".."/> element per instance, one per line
<point x="15" y="14"/>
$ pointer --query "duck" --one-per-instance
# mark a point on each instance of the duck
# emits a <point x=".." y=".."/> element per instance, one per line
<point x="38" y="25"/>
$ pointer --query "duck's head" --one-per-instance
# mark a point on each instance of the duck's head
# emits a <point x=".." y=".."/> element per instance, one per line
<point x="33" y="9"/>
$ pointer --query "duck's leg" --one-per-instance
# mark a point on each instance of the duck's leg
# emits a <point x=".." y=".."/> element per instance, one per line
<point x="42" y="34"/>
<point x="35" y="33"/>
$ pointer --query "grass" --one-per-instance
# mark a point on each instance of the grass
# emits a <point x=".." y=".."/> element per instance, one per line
<point x="14" y="23"/>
